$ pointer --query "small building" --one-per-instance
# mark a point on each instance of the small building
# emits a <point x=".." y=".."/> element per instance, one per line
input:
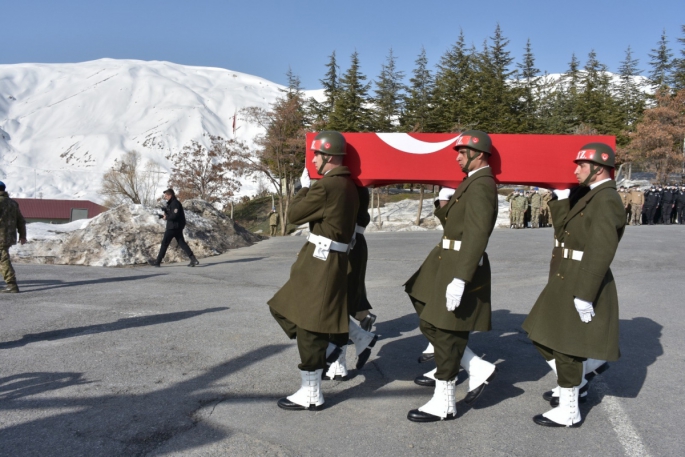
<point x="57" y="211"/>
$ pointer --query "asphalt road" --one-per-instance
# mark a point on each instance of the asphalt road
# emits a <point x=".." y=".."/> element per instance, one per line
<point x="182" y="361"/>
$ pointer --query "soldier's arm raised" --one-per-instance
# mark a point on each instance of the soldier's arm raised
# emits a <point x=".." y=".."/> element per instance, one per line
<point x="308" y="205"/>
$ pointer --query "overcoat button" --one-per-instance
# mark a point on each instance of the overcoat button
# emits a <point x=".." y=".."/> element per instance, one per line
<point x="439" y="258"/>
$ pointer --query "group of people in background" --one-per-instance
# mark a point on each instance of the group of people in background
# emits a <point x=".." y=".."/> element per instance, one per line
<point x="662" y="204"/>
<point x="528" y="208"/>
<point x="657" y="205"/>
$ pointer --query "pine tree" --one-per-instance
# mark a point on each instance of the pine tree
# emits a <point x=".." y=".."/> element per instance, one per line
<point x="417" y="105"/>
<point x="631" y="96"/>
<point x="662" y="64"/>
<point x="567" y="99"/>
<point x="679" y="65"/>
<point x="498" y="106"/>
<point x="453" y="96"/>
<point x="389" y="96"/>
<point x="597" y="108"/>
<point x="321" y="111"/>
<point x="350" y="111"/>
<point x="529" y="83"/>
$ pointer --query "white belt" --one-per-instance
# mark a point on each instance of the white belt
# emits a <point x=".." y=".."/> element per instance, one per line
<point x="456" y="245"/>
<point x="451" y="244"/>
<point x="574" y="255"/>
<point x="557" y="244"/>
<point x="359" y="229"/>
<point x="324" y="245"/>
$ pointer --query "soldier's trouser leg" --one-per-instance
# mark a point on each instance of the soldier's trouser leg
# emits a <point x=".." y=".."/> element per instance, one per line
<point x="535" y="217"/>
<point x="273" y="230"/>
<point x="6" y="266"/>
<point x="521" y="218"/>
<point x="651" y="215"/>
<point x="311" y="345"/>
<point x="449" y="348"/>
<point x="569" y="368"/>
<point x="681" y="213"/>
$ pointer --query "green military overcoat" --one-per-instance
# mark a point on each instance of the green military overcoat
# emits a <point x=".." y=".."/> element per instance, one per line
<point x="315" y="296"/>
<point x="594" y="225"/>
<point x="356" y="281"/>
<point x="11" y="221"/>
<point x="469" y="217"/>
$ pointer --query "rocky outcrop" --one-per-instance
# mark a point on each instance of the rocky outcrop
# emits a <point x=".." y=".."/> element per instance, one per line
<point x="131" y="234"/>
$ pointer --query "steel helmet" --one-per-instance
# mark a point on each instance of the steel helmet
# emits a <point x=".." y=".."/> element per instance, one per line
<point x="476" y="140"/>
<point x="330" y="143"/>
<point x="598" y="153"/>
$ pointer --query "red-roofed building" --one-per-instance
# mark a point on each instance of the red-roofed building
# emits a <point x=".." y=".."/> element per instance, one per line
<point x="57" y="211"/>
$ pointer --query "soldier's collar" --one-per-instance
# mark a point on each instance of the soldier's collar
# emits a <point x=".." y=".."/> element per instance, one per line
<point x="337" y="171"/>
<point x="476" y="171"/>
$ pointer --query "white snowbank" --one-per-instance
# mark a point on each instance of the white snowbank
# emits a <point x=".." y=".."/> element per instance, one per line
<point x="63" y="125"/>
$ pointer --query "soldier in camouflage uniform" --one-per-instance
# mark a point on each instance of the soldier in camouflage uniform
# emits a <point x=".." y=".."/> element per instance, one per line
<point x="546" y="213"/>
<point x="521" y="204"/>
<point x="512" y="216"/>
<point x="273" y="222"/>
<point x="11" y="222"/>
<point x="535" y="207"/>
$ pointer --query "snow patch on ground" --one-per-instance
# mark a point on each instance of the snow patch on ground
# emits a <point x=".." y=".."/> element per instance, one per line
<point x="401" y="217"/>
<point x="129" y="235"/>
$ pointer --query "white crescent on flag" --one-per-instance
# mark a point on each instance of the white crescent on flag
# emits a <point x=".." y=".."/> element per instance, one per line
<point x="406" y="143"/>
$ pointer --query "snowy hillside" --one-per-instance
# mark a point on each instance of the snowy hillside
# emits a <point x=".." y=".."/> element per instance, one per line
<point x="63" y="125"/>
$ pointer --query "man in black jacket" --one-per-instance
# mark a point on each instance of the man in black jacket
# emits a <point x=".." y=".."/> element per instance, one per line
<point x="652" y="200"/>
<point x="175" y="223"/>
<point x="680" y="204"/>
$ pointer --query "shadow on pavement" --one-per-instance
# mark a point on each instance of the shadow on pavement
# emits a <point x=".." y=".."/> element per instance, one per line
<point x="249" y="259"/>
<point x="58" y="284"/>
<point x="27" y="384"/>
<point x="517" y="361"/>
<point x="121" y="324"/>
<point x="133" y="424"/>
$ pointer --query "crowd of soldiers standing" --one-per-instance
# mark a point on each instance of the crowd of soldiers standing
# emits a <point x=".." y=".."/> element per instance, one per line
<point x="529" y="208"/>
<point x="657" y="205"/>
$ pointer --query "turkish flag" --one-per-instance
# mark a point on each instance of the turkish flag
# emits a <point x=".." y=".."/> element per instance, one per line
<point x="378" y="159"/>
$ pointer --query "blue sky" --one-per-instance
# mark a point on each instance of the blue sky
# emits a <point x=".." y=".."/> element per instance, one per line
<point x="265" y="38"/>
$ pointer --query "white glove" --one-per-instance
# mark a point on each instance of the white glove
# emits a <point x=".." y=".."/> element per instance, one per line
<point x="445" y="193"/>
<point x="453" y="294"/>
<point x="305" y="180"/>
<point x="562" y="194"/>
<point x="585" y="309"/>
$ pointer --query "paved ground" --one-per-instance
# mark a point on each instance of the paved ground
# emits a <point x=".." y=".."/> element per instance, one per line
<point x="180" y="361"/>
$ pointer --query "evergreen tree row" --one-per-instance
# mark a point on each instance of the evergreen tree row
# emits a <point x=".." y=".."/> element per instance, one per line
<point x="482" y="88"/>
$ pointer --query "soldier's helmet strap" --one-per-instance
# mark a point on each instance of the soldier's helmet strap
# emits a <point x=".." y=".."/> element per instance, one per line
<point x="325" y="159"/>
<point x="593" y="171"/>
<point x="471" y="158"/>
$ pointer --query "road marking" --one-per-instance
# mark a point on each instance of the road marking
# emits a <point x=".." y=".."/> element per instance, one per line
<point x="627" y="434"/>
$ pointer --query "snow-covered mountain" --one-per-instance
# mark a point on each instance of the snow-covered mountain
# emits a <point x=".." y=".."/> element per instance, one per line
<point x="63" y="125"/>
